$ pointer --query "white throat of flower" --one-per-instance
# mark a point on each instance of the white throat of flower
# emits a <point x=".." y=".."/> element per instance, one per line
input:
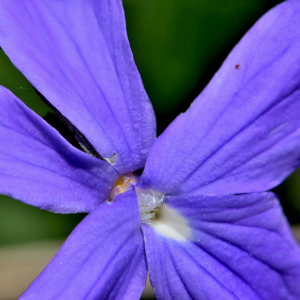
<point x="161" y="217"/>
<point x="149" y="202"/>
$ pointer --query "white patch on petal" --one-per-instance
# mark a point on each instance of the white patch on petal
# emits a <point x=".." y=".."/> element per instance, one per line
<point x="171" y="224"/>
<point x="162" y="218"/>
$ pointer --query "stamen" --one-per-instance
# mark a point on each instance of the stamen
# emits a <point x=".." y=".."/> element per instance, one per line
<point x="123" y="184"/>
<point x="149" y="202"/>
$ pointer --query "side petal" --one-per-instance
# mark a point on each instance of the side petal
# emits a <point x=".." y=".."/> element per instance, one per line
<point x="103" y="258"/>
<point x="77" y="55"/>
<point x="242" y="134"/>
<point x="237" y="247"/>
<point x="40" y="168"/>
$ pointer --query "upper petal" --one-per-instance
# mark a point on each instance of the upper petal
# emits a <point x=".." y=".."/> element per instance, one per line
<point x="242" y="134"/>
<point x="40" y="168"/>
<point x="237" y="247"/>
<point x="77" y="55"/>
<point x="103" y="258"/>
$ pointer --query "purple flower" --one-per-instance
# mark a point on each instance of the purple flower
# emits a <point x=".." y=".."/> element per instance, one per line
<point x="198" y="218"/>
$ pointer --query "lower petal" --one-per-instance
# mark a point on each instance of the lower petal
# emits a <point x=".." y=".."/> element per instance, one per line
<point x="103" y="258"/>
<point x="237" y="247"/>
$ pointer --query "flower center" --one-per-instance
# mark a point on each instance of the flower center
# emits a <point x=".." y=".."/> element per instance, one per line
<point x="164" y="219"/>
<point x="123" y="184"/>
<point x="149" y="203"/>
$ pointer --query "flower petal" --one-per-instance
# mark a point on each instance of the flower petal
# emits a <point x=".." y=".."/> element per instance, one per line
<point x="103" y="258"/>
<point x="242" y="134"/>
<point x="239" y="247"/>
<point x="40" y="168"/>
<point x="77" y="55"/>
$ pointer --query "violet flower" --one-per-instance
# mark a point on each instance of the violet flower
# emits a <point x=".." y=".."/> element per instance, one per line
<point x="198" y="218"/>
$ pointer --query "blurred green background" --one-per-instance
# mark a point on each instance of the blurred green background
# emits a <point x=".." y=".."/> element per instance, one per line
<point x="177" y="45"/>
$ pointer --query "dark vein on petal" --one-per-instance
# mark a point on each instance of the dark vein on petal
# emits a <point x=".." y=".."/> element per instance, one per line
<point x="62" y="73"/>
<point x="72" y="179"/>
<point x="91" y="76"/>
<point x="90" y="254"/>
<point x="272" y="105"/>
<point x="108" y="263"/>
<point x="249" y="159"/>
<point x="179" y="275"/>
<point x="206" y="271"/>
<point x="278" y="271"/>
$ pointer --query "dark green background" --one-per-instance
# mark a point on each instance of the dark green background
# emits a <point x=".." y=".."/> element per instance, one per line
<point x="177" y="45"/>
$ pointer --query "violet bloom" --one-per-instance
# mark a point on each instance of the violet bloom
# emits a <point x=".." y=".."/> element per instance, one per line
<point x="198" y="218"/>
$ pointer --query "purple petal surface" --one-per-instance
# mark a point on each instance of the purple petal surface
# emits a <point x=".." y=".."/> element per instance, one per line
<point x="77" y="55"/>
<point x="242" y="134"/>
<point x="103" y="258"/>
<point x="239" y="247"/>
<point x="39" y="167"/>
